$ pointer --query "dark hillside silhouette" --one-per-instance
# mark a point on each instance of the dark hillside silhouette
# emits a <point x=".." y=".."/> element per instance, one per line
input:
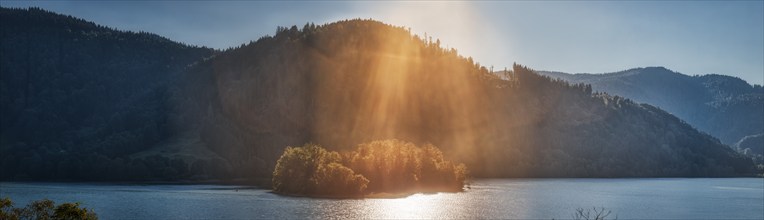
<point x="77" y="98"/>
<point x="84" y="102"/>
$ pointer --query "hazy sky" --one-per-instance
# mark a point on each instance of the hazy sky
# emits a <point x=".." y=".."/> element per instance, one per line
<point x="724" y="37"/>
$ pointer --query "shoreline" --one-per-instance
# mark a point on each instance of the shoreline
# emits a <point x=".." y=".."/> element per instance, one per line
<point x="380" y="195"/>
<point x="254" y="182"/>
<point x="264" y="183"/>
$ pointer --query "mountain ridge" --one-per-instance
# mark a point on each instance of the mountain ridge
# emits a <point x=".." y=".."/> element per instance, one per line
<point x="725" y="106"/>
<point x="332" y="92"/>
<point x="337" y="85"/>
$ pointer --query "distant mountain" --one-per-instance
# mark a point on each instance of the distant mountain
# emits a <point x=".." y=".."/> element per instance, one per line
<point x="752" y="145"/>
<point x="723" y="106"/>
<point x="84" y="102"/>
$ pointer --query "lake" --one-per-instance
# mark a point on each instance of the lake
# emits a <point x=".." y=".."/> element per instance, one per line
<point x="676" y="198"/>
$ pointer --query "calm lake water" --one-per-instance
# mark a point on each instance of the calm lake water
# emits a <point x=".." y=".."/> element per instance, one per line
<point x="488" y="198"/>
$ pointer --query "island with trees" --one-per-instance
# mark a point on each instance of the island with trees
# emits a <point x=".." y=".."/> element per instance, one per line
<point x="378" y="168"/>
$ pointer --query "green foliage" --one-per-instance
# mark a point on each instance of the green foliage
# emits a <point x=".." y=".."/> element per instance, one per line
<point x="337" y="179"/>
<point x="6" y="209"/>
<point x="393" y="166"/>
<point x="72" y="211"/>
<point x="44" y="210"/>
<point x="312" y="170"/>
<point x="389" y="166"/>
<point x="41" y="209"/>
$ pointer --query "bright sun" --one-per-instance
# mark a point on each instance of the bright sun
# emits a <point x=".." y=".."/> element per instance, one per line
<point x="457" y="24"/>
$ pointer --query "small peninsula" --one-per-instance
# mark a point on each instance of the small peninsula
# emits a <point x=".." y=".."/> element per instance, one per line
<point x="389" y="167"/>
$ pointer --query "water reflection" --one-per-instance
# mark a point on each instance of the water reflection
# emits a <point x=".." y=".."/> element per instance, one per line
<point x="418" y="206"/>
<point x="493" y="199"/>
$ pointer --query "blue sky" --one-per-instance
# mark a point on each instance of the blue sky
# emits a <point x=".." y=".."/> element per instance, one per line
<point x="723" y="37"/>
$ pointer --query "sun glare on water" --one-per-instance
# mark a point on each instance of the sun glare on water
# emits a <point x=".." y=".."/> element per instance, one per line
<point x="417" y="206"/>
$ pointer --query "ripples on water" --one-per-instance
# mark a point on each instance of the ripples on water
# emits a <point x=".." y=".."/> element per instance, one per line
<point x="498" y="198"/>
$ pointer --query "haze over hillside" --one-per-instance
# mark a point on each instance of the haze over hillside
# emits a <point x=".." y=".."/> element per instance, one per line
<point x="725" y="107"/>
<point x="162" y="110"/>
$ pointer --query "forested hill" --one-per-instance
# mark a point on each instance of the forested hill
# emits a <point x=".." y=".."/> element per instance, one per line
<point x="83" y="102"/>
<point x="76" y="97"/>
<point x="350" y="82"/>
<point x="723" y="106"/>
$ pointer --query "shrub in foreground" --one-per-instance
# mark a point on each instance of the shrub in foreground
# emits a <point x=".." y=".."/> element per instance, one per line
<point x="45" y="209"/>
